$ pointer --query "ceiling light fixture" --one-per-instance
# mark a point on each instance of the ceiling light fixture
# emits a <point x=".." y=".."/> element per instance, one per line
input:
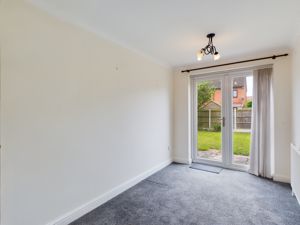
<point x="209" y="49"/>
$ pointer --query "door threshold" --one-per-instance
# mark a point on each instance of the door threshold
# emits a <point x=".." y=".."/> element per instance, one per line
<point x="241" y="168"/>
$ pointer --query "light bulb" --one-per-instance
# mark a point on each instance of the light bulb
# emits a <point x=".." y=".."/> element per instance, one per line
<point x="216" y="56"/>
<point x="200" y="55"/>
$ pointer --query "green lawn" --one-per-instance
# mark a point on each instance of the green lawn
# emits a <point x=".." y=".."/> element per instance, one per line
<point x="212" y="140"/>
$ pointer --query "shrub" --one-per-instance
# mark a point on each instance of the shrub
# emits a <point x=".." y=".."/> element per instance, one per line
<point x="217" y="127"/>
<point x="249" y="104"/>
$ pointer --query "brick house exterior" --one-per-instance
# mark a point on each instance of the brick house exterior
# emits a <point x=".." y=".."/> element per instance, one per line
<point x="239" y="93"/>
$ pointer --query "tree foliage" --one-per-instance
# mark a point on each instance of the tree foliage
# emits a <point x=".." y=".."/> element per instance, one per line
<point x="205" y="93"/>
<point x="249" y="104"/>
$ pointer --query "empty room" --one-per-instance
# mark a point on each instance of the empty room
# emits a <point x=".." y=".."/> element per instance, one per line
<point x="149" y="112"/>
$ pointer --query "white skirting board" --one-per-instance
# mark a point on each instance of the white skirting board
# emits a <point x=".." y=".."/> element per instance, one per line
<point x="281" y="178"/>
<point x="295" y="171"/>
<point x="182" y="160"/>
<point x="89" y="206"/>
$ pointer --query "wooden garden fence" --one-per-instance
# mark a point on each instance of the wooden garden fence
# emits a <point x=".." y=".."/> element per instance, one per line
<point x="209" y="119"/>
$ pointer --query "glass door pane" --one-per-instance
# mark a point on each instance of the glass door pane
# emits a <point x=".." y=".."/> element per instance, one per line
<point x="209" y="116"/>
<point x="241" y="118"/>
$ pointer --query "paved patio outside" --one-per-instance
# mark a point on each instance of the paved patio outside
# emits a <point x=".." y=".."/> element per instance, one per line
<point x="216" y="155"/>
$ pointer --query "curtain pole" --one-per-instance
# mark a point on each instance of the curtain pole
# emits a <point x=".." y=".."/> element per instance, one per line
<point x="232" y="63"/>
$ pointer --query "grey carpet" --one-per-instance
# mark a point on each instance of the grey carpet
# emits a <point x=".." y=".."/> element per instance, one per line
<point x="178" y="195"/>
<point x="207" y="168"/>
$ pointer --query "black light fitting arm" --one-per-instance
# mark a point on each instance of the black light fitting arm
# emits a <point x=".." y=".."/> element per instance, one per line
<point x="210" y="48"/>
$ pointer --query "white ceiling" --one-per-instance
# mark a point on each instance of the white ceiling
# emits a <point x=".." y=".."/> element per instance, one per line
<point x="171" y="31"/>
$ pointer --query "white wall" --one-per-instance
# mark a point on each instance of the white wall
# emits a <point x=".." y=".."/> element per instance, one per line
<point x="296" y="94"/>
<point x="295" y="139"/>
<point x="80" y="115"/>
<point x="282" y="102"/>
<point x="182" y="125"/>
<point x="282" y="119"/>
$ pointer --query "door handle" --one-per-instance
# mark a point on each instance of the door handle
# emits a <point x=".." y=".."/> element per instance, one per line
<point x="223" y="121"/>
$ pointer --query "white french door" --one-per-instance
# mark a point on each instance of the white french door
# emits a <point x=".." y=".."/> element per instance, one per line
<point x="221" y="119"/>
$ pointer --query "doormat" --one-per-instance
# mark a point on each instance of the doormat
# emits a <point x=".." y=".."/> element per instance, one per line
<point x="212" y="169"/>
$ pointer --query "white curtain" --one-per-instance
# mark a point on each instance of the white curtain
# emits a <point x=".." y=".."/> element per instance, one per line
<point x="262" y="124"/>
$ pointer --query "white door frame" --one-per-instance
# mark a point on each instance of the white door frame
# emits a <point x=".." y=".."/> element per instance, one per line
<point x="226" y="88"/>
